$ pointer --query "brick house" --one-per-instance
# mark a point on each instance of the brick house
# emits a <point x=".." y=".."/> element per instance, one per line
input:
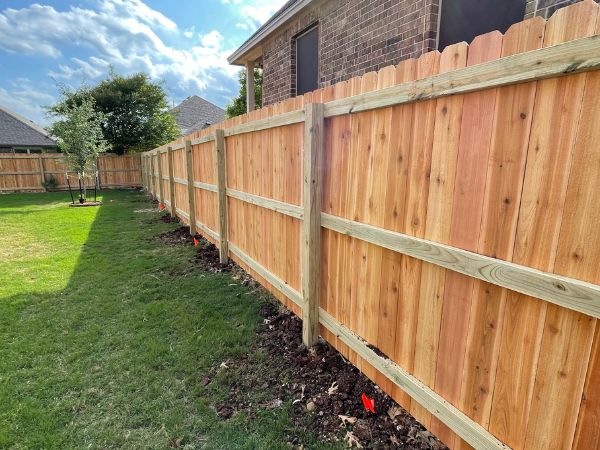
<point x="314" y="43"/>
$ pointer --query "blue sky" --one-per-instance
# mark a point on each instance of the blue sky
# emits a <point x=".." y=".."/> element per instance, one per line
<point x="184" y="43"/>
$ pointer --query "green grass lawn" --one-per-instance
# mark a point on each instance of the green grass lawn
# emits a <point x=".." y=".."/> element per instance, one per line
<point x="105" y="333"/>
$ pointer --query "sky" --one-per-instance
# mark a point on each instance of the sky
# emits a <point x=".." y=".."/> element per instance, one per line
<point x="182" y="43"/>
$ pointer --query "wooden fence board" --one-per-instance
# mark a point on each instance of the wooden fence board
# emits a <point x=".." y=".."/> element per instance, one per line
<point x="442" y="170"/>
<point x="558" y="103"/>
<point x="418" y="170"/>
<point x="510" y="136"/>
<point x="567" y="336"/>
<point x="466" y="210"/>
<point x="459" y="233"/>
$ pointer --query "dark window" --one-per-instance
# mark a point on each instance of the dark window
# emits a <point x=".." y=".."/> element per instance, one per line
<point x="462" y="20"/>
<point x="307" y="61"/>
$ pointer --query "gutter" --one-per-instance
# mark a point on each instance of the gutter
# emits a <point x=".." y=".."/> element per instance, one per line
<point x="268" y="28"/>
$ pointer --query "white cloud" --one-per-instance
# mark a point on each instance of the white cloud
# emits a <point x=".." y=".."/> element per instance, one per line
<point x="125" y="34"/>
<point x="26" y="98"/>
<point x="254" y="13"/>
<point x="129" y="36"/>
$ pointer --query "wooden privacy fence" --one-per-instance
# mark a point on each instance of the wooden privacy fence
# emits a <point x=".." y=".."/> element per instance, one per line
<point x="444" y="211"/>
<point x="30" y="172"/>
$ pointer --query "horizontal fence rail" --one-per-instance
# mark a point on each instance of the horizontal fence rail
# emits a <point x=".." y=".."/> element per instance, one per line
<point x="435" y="222"/>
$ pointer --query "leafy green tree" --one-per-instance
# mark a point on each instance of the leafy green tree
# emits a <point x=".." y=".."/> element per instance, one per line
<point x="237" y="107"/>
<point x="136" y="112"/>
<point x="79" y="133"/>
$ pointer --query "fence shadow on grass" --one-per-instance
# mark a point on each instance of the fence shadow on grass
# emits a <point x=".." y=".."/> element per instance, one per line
<point x="113" y="356"/>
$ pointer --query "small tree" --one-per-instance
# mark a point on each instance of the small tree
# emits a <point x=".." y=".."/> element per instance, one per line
<point x="237" y="107"/>
<point x="79" y="133"/>
<point x="135" y="110"/>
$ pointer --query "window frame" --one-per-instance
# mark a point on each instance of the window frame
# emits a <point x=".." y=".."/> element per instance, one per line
<point x="312" y="27"/>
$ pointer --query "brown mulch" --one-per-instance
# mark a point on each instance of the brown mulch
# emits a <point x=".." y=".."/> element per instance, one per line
<point x="167" y="218"/>
<point x="84" y="204"/>
<point x="323" y="388"/>
<point x="207" y="257"/>
<point x="178" y="236"/>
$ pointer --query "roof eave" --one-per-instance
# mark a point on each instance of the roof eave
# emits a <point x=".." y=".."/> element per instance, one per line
<point x="240" y="56"/>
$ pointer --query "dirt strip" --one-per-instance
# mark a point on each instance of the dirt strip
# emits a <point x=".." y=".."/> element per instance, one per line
<point x="325" y="391"/>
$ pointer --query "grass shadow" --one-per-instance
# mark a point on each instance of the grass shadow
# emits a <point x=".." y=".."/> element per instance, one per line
<point x="113" y="358"/>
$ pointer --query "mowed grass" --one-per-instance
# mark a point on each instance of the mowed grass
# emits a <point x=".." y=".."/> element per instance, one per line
<point x="106" y="334"/>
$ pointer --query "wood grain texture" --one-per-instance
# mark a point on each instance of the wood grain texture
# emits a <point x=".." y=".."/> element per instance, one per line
<point x="442" y="172"/>
<point x="458" y="227"/>
<point x="563" y="59"/>
<point x="558" y="104"/>
<point x="504" y="181"/>
<point x="222" y="196"/>
<point x="463" y="201"/>
<point x="274" y="205"/>
<point x="415" y="217"/>
<point x="189" y="164"/>
<point x="172" y="205"/>
<point x="395" y="314"/>
<point x="311" y="224"/>
<point x="567" y="337"/>
<point x="473" y="433"/>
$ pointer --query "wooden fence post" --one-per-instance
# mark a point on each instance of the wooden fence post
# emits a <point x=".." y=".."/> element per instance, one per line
<point x="144" y="173"/>
<point x="161" y="195"/>
<point x="189" y="166"/>
<point x="154" y="185"/>
<point x="311" y="224"/>
<point x="171" y="181"/>
<point x="150" y="173"/>
<point x="222" y="196"/>
<point x="147" y="169"/>
<point x="42" y="174"/>
<point x="98" y="180"/>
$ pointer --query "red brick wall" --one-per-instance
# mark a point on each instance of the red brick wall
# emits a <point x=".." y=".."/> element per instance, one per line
<point x="356" y="36"/>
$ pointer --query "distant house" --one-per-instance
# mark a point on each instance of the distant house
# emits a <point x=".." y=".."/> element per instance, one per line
<point x="309" y="44"/>
<point x="20" y="135"/>
<point x="195" y="113"/>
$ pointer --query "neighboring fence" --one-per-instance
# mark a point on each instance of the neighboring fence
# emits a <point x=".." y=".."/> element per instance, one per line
<point x="29" y="172"/>
<point x="458" y="235"/>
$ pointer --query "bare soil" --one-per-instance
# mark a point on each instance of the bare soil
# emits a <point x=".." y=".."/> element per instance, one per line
<point x="323" y="388"/>
<point x="84" y="204"/>
<point x="178" y="236"/>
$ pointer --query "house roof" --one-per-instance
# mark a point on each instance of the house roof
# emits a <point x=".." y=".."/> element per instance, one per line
<point x="248" y="50"/>
<point x="17" y="131"/>
<point x="195" y="113"/>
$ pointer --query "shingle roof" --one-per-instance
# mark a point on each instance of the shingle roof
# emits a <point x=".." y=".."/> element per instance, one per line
<point x="195" y="113"/>
<point x="16" y="130"/>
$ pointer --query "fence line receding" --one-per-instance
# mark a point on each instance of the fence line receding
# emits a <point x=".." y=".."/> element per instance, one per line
<point x="456" y="232"/>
